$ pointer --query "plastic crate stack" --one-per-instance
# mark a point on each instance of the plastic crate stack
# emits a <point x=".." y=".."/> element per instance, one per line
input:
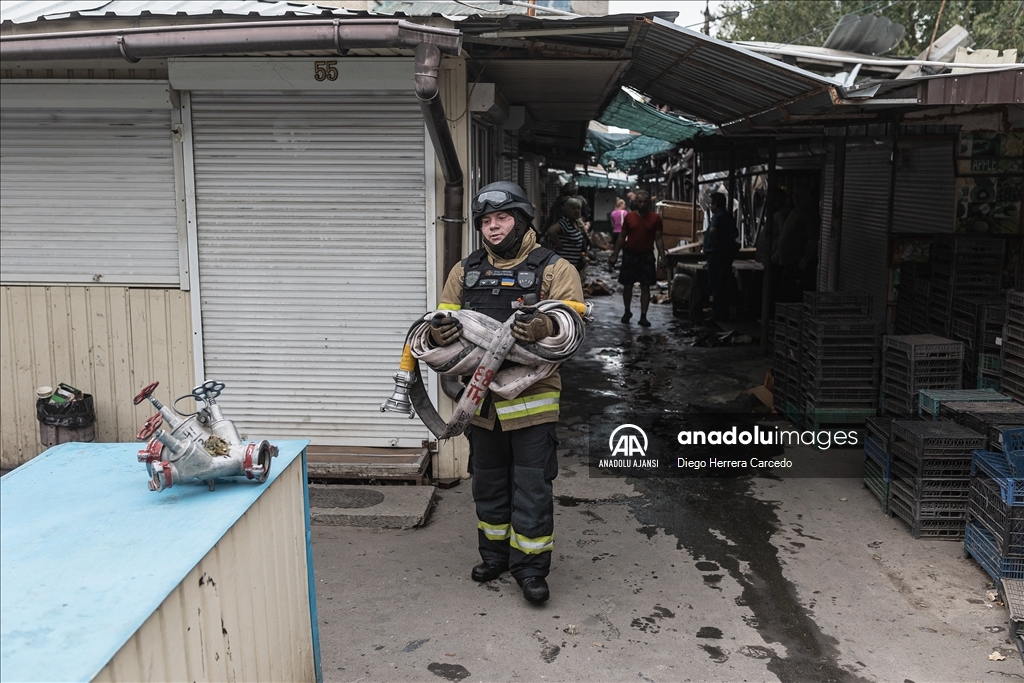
<point x="1011" y="355"/>
<point x="989" y="419"/>
<point x="914" y="362"/>
<point x="786" y="370"/>
<point x="912" y="298"/>
<point x="930" y="476"/>
<point x="876" y="458"/>
<point x="840" y="359"/>
<point x="994" y="535"/>
<point x="962" y="266"/>
<point x="930" y="400"/>
<point x="978" y="323"/>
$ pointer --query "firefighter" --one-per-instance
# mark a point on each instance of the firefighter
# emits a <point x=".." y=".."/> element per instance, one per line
<point x="512" y="442"/>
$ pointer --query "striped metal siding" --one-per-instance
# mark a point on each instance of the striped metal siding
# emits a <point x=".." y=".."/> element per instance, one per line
<point x="88" y="196"/>
<point x="925" y="199"/>
<point x="107" y="341"/>
<point x="825" y="244"/>
<point x="311" y="212"/>
<point x="864" y="239"/>
<point x="243" y="613"/>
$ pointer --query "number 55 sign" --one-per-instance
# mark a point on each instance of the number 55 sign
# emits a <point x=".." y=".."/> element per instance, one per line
<point x="325" y="71"/>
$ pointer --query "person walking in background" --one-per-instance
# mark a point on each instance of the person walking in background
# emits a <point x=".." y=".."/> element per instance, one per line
<point x="641" y="233"/>
<point x="617" y="216"/>
<point x="720" y="247"/>
<point x="797" y="249"/>
<point x="566" y="238"/>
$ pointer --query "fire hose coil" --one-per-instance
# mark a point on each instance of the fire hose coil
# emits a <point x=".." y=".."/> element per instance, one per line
<point x="484" y="345"/>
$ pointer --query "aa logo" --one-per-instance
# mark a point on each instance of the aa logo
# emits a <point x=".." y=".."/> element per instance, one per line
<point x="631" y="441"/>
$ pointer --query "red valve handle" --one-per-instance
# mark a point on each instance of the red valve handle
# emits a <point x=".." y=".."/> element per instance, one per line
<point x="152" y="424"/>
<point x="145" y="392"/>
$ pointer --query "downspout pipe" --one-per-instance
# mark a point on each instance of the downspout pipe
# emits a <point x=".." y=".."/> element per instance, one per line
<point x="133" y="44"/>
<point x="428" y="61"/>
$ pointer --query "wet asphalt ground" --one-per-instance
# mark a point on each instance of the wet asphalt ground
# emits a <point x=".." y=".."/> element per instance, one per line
<point x="767" y="577"/>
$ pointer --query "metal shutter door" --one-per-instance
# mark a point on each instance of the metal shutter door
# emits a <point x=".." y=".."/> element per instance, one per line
<point x="925" y="199"/>
<point x="828" y="198"/>
<point x="311" y="214"/>
<point x="88" y="197"/>
<point x="864" y="241"/>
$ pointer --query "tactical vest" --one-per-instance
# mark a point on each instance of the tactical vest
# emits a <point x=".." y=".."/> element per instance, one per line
<point x="497" y="292"/>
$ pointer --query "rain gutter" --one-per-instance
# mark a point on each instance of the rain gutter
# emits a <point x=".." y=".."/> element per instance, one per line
<point x="428" y="43"/>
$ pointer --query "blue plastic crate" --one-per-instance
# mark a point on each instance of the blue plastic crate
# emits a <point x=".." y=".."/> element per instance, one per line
<point x="874" y="482"/>
<point x="1013" y="446"/>
<point x="995" y="465"/>
<point x="929" y="399"/>
<point x="875" y="450"/>
<point x="981" y="545"/>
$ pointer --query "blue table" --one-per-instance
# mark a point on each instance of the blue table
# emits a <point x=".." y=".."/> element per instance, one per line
<point x="88" y="553"/>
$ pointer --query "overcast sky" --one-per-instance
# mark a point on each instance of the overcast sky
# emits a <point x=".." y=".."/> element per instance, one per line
<point x="691" y="12"/>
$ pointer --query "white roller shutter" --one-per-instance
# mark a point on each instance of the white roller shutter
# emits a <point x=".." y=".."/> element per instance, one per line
<point x="311" y="213"/>
<point x="88" y="197"/>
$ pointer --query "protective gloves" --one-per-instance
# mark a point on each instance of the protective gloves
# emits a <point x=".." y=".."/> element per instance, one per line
<point x="531" y="325"/>
<point x="444" y="330"/>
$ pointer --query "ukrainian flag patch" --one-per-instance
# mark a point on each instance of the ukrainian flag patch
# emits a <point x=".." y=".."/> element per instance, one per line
<point x="507" y="282"/>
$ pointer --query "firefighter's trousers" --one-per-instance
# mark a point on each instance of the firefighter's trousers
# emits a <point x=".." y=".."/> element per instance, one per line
<point x="512" y="474"/>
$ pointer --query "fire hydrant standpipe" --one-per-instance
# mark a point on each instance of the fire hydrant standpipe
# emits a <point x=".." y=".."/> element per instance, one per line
<point x="198" y="448"/>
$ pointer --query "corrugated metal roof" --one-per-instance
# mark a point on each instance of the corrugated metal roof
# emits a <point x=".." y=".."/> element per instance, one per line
<point x="25" y="12"/>
<point x="447" y="9"/>
<point x="1000" y="86"/>
<point x="713" y="80"/>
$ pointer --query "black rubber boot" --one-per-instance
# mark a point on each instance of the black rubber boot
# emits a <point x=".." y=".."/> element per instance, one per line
<point x="487" y="572"/>
<point x="535" y="589"/>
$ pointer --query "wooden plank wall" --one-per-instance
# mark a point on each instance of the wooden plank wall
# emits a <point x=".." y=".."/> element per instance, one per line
<point x="106" y="341"/>
<point x="243" y="613"/>
<point x="452" y="459"/>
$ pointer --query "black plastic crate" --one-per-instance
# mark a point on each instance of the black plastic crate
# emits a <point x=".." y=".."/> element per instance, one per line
<point x="827" y="372"/>
<point x="930" y="488"/>
<point x="926" y="435"/>
<point x="837" y="305"/>
<point x="847" y="394"/>
<point x="881" y="429"/>
<point x="985" y="506"/>
<point x="980" y="417"/>
<point x="928" y="509"/>
<point x="932" y="466"/>
<point x="923" y="346"/>
<point x="1010" y="385"/>
<point x="942" y="529"/>
<point x="967" y="245"/>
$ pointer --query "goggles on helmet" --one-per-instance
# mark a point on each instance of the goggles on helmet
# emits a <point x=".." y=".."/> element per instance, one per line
<point x="496" y="198"/>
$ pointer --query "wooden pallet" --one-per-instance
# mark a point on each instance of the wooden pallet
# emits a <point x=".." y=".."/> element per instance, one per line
<point x="363" y="463"/>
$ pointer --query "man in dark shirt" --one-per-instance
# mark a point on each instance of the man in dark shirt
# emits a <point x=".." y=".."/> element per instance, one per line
<point x="797" y="248"/>
<point x="720" y="247"/>
<point x="641" y="233"/>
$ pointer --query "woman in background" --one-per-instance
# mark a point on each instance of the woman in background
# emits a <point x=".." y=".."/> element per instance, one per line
<point x="617" y="215"/>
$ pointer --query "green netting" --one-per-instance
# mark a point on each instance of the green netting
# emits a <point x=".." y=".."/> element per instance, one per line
<point x="601" y="181"/>
<point x="599" y="143"/>
<point x="637" y="149"/>
<point x="623" y="151"/>
<point x="626" y="112"/>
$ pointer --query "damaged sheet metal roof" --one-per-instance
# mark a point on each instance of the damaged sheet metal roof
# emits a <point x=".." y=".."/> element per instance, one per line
<point x="710" y="79"/>
<point x="25" y="12"/>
